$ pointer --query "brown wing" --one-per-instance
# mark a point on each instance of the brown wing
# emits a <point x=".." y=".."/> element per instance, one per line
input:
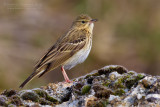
<point x="64" y="50"/>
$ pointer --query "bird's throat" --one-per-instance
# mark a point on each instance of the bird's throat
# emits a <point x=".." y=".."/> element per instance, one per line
<point x="91" y="26"/>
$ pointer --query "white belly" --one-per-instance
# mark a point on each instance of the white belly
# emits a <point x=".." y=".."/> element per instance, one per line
<point x="79" y="57"/>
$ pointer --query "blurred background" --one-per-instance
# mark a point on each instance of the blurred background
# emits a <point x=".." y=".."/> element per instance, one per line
<point x="127" y="34"/>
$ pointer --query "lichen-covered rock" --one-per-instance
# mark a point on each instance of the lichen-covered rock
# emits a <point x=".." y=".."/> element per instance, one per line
<point x="3" y="100"/>
<point x="110" y="86"/>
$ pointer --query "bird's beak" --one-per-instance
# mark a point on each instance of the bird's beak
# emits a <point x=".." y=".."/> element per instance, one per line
<point x="93" y="20"/>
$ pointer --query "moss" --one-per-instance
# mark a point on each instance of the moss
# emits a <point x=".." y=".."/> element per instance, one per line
<point x="119" y="92"/>
<point x="41" y="93"/>
<point x="80" y="79"/>
<point x="140" y="76"/>
<point x="51" y="99"/>
<point x="105" y="103"/>
<point x="42" y="101"/>
<point x="126" y="77"/>
<point x="107" y="70"/>
<point x="119" y="83"/>
<point x="106" y="83"/>
<point x="85" y="89"/>
<point x="125" y="81"/>
<point x="101" y="91"/>
<point x="131" y="73"/>
<point x="130" y="83"/>
<point x="16" y="100"/>
<point x="87" y="76"/>
<point x="9" y="93"/>
<point x="134" y="80"/>
<point x="97" y="103"/>
<point x="91" y="75"/>
<point x="30" y="96"/>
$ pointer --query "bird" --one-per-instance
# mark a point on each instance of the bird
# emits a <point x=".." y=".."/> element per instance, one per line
<point x="69" y="50"/>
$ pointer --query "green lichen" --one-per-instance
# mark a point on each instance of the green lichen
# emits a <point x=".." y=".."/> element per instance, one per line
<point x="42" y="94"/>
<point x="133" y="81"/>
<point x="105" y="103"/>
<point x="140" y="76"/>
<point x="125" y="81"/>
<point x="126" y="77"/>
<point x="119" y="92"/>
<point x="85" y="89"/>
<point x="43" y="101"/>
<point x="30" y="96"/>
<point x="106" y="83"/>
<point x="119" y="83"/>
<point x="130" y="83"/>
<point x="51" y="99"/>
<point x="131" y="73"/>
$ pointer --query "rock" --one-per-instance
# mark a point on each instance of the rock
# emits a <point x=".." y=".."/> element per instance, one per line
<point x="110" y="86"/>
<point x="3" y="100"/>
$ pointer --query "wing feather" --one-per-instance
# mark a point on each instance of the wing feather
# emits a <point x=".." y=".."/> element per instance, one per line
<point x="63" y="51"/>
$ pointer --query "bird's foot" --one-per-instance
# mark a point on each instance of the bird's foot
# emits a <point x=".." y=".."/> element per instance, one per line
<point x="68" y="81"/>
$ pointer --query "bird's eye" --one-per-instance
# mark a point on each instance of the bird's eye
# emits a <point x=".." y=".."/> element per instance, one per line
<point x="83" y="21"/>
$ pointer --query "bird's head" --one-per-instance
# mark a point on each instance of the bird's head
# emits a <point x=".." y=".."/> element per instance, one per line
<point x="84" y="21"/>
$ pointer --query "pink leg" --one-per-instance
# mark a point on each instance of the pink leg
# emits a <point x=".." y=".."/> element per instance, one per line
<point x="65" y="75"/>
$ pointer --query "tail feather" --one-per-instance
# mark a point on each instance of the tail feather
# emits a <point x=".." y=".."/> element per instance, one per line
<point x="34" y="74"/>
<point x="37" y="72"/>
<point x="46" y="70"/>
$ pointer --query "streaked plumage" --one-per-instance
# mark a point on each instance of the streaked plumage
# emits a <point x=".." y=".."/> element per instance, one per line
<point x="69" y="50"/>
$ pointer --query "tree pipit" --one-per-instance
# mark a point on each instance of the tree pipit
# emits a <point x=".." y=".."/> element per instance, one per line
<point x="69" y="50"/>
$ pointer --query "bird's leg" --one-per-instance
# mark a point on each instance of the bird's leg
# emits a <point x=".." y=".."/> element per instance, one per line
<point x="65" y="75"/>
